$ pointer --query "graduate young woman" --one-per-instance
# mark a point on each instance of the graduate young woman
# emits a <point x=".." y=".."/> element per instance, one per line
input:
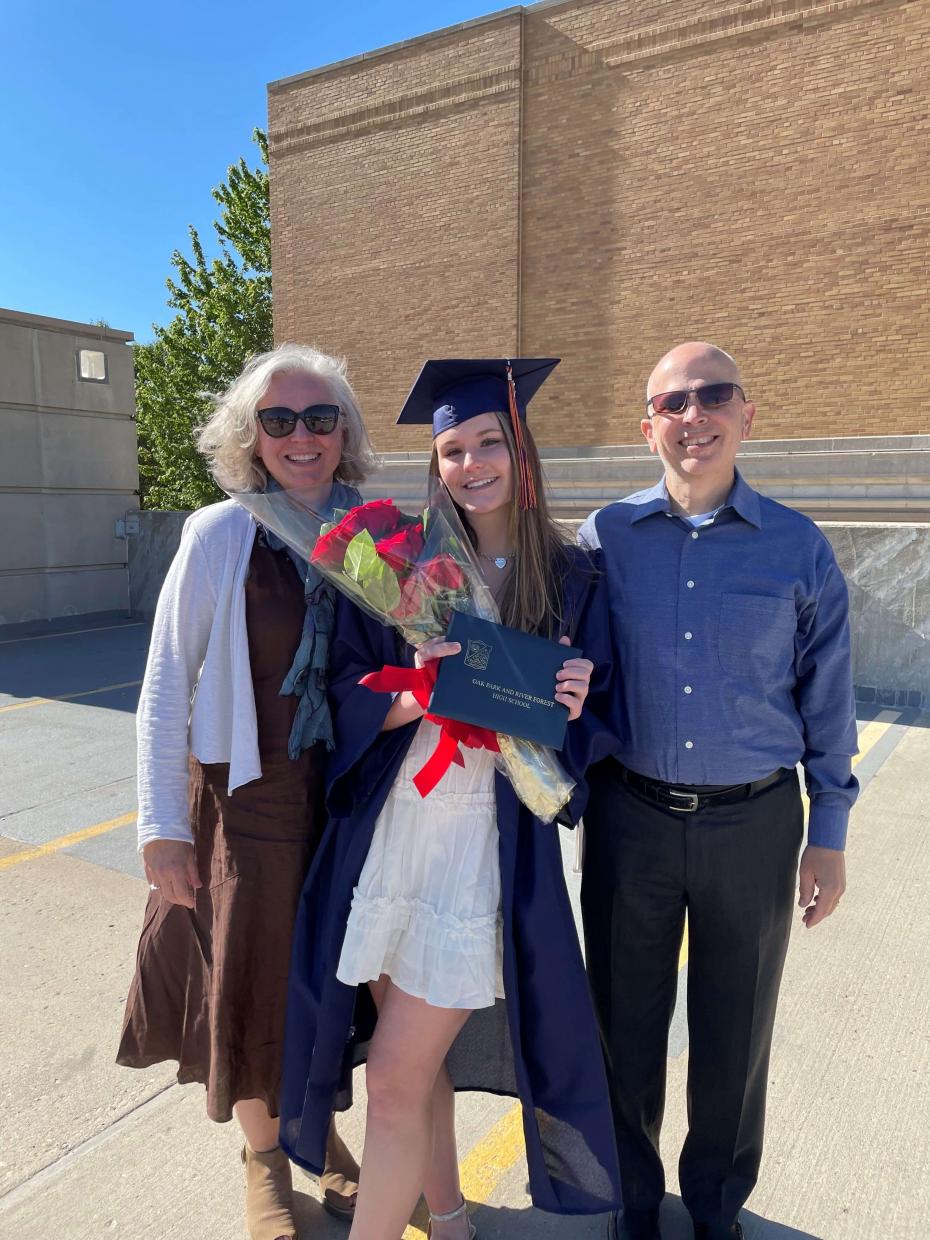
<point x="450" y="912"/>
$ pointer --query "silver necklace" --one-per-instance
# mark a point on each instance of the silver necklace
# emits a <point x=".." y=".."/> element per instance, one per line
<point x="500" y="561"/>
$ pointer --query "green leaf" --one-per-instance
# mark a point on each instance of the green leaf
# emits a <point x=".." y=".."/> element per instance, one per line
<point x="377" y="580"/>
<point x="361" y="557"/>
<point x="382" y="591"/>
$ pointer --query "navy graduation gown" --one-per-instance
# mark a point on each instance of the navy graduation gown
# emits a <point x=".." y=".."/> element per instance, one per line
<point x="541" y="1043"/>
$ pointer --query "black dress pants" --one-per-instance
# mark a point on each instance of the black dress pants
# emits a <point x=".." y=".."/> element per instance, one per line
<point x="733" y="868"/>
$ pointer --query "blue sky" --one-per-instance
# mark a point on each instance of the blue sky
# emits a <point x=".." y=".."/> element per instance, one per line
<point x="120" y="120"/>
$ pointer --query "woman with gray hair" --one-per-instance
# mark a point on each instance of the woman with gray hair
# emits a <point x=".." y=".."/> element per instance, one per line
<point x="233" y="732"/>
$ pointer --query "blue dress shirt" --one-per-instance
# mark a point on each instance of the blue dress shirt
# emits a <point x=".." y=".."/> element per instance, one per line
<point x="732" y="643"/>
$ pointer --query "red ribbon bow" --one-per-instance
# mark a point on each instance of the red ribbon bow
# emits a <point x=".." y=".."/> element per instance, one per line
<point x="420" y="681"/>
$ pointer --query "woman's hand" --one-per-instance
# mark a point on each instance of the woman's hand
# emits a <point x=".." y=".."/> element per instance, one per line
<point x="171" y="868"/>
<point x="435" y="648"/>
<point x="405" y="707"/>
<point x="573" y="682"/>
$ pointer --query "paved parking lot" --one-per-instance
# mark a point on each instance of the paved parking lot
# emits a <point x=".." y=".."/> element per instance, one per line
<point x="92" y="1150"/>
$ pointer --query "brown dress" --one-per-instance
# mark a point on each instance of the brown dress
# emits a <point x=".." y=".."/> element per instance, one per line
<point x="210" y="983"/>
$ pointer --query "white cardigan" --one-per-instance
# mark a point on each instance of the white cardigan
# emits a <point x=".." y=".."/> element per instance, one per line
<point x="199" y="651"/>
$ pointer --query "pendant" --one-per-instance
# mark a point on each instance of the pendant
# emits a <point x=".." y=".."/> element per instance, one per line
<point x="501" y="561"/>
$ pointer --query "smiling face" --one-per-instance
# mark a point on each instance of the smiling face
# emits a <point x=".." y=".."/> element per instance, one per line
<point x="474" y="463"/>
<point x="300" y="461"/>
<point x="698" y="445"/>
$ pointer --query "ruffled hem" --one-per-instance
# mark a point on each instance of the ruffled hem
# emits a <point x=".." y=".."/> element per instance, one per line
<point x="448" y="961"/>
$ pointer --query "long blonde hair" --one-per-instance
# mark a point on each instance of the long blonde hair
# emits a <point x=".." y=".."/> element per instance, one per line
<point x="533" y="598"/>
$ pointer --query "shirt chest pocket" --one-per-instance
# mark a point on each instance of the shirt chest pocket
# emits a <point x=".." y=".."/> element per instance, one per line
<point x="755" y="638"/>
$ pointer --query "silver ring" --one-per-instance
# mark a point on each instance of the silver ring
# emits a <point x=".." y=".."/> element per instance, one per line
<point x="152" y="887"/>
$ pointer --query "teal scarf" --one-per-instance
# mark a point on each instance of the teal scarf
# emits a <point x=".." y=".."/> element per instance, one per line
<point x="307" y="677"/>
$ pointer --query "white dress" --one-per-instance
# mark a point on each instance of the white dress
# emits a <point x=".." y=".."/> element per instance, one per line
<point x="427" y="908"/>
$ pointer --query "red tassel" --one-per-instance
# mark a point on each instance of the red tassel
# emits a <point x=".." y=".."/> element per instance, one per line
<point x="527" y="485"/>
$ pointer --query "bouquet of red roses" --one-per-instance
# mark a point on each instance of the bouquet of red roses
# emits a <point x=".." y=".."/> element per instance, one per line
<point x="407" y="571"/>
<point x="411" y="573"/>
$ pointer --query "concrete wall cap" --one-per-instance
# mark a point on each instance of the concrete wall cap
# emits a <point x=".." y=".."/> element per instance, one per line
<point x="42" y="323"/>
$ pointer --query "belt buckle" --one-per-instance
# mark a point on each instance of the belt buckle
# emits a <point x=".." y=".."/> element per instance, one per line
<point x="691" y="797"/>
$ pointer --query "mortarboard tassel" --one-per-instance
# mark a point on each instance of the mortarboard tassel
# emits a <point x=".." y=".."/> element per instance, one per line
<point x="527" y="486"/>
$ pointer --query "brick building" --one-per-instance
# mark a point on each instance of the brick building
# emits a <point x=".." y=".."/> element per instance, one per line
<point x="598" y="180"/>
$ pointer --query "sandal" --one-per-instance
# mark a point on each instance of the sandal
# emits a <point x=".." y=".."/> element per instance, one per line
<point x="456" y="1225"/>
<point x="339" y="1181"/>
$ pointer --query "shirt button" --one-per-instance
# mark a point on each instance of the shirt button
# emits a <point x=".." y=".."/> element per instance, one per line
<point x="690" y="585"/>
<point x="688" y="636"/>
<point x="687" y="688"/>
<point x="694" y="533"/>
<point x="689" y="744"/>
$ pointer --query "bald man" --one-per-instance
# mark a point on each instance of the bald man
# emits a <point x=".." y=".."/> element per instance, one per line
<point x="730" y="629"/>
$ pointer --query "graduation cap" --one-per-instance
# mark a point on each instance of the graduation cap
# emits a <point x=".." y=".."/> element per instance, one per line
<point x="449" y="392"/>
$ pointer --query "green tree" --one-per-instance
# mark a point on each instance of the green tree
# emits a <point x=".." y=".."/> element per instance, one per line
<point x="223" y="317"/>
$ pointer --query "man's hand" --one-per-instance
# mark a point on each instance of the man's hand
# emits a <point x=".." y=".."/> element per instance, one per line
<point x="171" y="869"/>
<point x="825" y="870"/>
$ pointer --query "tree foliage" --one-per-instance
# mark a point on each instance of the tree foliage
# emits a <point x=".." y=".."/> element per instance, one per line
<point x="223" y="317"/>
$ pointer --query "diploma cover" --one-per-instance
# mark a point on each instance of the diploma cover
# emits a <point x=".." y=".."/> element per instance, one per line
<point x="502" y="679"/>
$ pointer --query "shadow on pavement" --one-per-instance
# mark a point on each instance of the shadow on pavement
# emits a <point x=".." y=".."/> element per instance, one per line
<point x="503" y="1223"/>
<point x="908" y="716"/>
<point x="676" y="1224"/>
<point x="758" y="1228"/>
<point x="311" y="1218"/>
<point x="97" y="667"/>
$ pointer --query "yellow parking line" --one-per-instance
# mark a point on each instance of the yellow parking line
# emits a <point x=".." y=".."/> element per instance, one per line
<point x="490" y="1160"/>
<point x="69" y="697"/>
<point x="869" y="737"/>
<point x="65" y="841"/>
<point x="44" y="637"/>
<point x="873" y="732"/>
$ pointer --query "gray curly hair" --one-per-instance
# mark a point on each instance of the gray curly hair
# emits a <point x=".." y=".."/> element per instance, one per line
<point x="228" y="438"/>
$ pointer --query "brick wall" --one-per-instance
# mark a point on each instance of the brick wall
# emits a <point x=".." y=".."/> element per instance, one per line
<point x="599" y="180"/>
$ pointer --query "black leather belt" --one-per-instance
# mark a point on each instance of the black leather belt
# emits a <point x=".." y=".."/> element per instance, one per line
<point x="687" y="799"/>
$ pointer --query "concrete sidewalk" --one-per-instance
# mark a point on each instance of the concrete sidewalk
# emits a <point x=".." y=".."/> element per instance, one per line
<point x="92" y="1150"/>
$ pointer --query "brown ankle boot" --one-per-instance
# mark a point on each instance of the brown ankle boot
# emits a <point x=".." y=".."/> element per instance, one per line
<point x="269" y="1197"/>
<point x="339" y="1181"/>
<point x="453" y="1226"/>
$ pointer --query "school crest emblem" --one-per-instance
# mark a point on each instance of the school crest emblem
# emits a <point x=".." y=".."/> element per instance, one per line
<point x="477" y="655"/>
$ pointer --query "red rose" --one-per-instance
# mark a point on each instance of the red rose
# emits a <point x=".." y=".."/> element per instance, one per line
<point x="414" y="600"/>
<point x="378" y="518"/>
<point x="330" y="549"/>
<point x="425" y="584"/>
<point x="401" y="549"/>
<point x="442" y="573"/>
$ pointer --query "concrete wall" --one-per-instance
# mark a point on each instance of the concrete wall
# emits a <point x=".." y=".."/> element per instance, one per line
<point x="887" y="567"/>
<point x="598" y="179"/>
<point x="68" y="469"/>
<point x="150" y="554"/>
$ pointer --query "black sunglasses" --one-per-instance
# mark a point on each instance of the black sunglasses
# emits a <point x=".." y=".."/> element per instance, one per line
<point x="279" y="421"/>
<point x="710" y="396"/>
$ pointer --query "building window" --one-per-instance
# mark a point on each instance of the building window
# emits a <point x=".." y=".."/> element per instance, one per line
<point x="92" y="366"/>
